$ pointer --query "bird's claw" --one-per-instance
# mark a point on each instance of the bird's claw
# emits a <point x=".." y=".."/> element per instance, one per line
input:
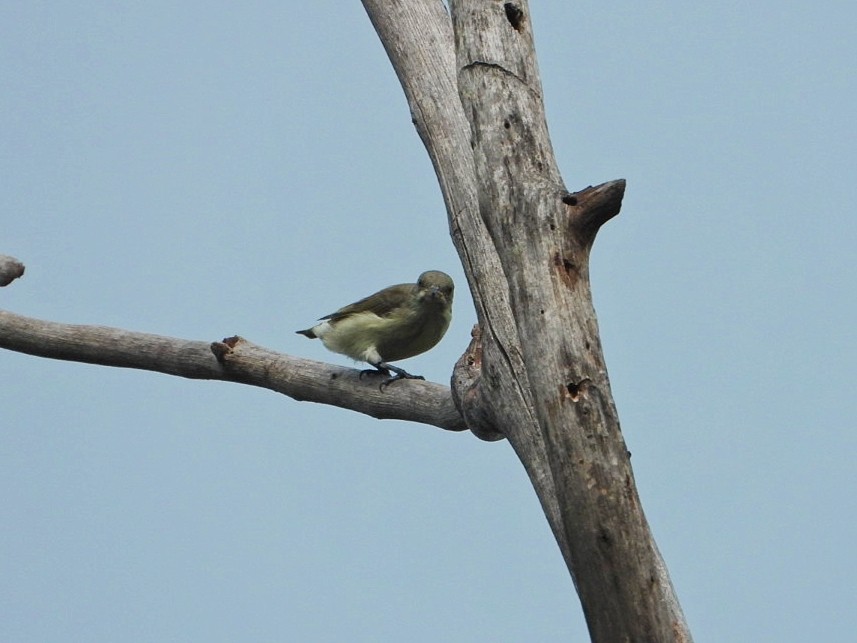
<point x="399" y="376"/>
<point x="373" y="372"/>
<point x="384" y="369"/>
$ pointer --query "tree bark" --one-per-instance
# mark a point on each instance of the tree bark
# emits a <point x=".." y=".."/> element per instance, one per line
<point x="535" y="372"/>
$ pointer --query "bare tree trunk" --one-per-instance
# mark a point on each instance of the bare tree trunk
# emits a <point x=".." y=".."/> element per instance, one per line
<point x="535" y="372"/>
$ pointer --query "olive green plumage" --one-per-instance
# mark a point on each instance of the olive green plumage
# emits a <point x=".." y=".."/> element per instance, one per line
<point x="395" y="323"/>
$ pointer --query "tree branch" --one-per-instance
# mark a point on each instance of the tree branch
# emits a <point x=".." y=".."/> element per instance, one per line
<point x="592" y="207"/>
<point x="233" y="360"/>
<point x="10" y="269"/>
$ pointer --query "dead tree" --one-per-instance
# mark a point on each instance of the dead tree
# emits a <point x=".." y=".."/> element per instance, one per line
<point x="534" y="372"/>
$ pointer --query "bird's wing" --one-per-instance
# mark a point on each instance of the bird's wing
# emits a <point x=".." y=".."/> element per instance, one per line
<point x="381" y="303"/>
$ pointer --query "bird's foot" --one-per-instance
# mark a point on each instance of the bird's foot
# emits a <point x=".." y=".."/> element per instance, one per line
<point x="384" y="369"/>
<point x="372" y="372"/>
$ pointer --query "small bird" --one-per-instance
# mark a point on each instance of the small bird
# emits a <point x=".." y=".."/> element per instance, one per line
<point x="395" y="323"/>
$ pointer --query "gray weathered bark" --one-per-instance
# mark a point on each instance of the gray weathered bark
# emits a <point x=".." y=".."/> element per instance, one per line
<point x="536" y="372"/>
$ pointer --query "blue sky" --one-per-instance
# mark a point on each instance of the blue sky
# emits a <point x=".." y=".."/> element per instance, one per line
<point x="202" y="171"/>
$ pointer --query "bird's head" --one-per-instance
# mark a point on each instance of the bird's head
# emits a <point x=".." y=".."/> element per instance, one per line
<point x="435" y="288"/>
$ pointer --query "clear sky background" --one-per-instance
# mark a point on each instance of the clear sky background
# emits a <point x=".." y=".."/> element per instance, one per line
<point x="201" y="170"/>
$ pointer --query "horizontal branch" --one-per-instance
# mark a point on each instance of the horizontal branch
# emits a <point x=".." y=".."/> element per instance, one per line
<point x="233" y="360"/>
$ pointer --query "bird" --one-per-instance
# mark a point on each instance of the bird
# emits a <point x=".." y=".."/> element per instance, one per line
<point x="393" y="324"/>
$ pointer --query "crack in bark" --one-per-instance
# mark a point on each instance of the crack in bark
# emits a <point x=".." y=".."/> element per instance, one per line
<point x="476" y="64"/>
